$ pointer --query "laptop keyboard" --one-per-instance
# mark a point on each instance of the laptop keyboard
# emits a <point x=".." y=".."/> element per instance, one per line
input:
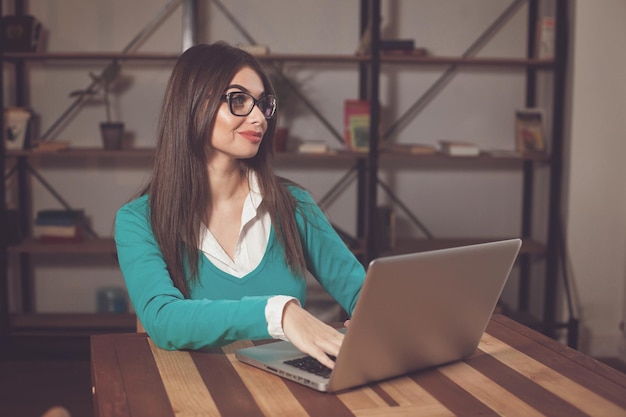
<point x="312" y="365"/>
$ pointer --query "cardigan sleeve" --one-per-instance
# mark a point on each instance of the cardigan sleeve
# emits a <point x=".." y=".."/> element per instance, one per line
<point x="172" y="321"/>
<point x="328" y="258"/>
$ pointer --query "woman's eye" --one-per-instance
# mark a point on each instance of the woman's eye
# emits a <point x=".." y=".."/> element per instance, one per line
<point x="238" y="99"/>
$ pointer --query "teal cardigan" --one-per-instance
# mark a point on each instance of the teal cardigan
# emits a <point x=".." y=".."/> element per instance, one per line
<point x="223" y="308"/>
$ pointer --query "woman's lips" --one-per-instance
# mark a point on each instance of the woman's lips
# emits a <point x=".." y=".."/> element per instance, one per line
<point x="252" y="136"/>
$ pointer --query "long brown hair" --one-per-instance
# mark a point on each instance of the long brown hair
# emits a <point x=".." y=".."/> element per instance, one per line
<point x="179" y="187"/>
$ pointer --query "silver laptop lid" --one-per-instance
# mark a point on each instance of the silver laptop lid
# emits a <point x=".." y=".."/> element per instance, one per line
<point x="422" y="310"/>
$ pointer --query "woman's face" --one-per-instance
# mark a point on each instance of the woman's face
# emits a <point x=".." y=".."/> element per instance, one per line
<point x="239" y="137"/>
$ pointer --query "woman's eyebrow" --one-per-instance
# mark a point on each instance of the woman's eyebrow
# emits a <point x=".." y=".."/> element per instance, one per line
<point x="244" y="89"/>
<point x="240" y="87"/>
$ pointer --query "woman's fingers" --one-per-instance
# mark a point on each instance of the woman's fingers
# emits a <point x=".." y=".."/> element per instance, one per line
<point x="310" y="335"/>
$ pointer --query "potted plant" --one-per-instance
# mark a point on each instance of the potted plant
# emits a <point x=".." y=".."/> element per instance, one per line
<point x="286" y="88"/>
<point x="112" y="132"/>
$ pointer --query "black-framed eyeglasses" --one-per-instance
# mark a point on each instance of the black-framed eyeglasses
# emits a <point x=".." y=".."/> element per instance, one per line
<point x="241" y="104"/>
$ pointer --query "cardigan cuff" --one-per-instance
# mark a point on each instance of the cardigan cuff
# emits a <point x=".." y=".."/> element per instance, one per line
<point x="274" y="315"/>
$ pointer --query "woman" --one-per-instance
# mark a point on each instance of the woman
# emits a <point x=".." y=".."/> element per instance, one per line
<point x="216" y="248"/>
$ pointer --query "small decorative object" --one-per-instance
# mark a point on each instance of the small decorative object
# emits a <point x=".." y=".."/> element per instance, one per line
<point x="16" y="125"/>
<point x="545" y="38"/>
<point x="529" y="130"/>
<point x="112" y="132"/>
<point x="459" y="148"/>
<point x="112" y="300"/>
<point x="20" y="33"/>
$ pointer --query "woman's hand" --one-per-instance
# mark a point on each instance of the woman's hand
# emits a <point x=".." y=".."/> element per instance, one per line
<point x="310" y="335"/>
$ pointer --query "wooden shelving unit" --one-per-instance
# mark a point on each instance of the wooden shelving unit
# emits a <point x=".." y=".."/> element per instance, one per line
<point x="368" y="164"/>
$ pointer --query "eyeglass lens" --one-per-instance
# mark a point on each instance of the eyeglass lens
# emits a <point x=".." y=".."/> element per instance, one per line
<point x="241" y="104"/>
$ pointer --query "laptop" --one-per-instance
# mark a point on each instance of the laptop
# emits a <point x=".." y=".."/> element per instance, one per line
<point x="414" y="312"/>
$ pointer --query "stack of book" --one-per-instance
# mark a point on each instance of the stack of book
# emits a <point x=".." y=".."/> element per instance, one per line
<point x="59" y="225"/>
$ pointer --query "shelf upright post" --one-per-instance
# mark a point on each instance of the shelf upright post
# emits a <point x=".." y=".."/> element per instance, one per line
<point x="528" y="165"/>
<point x="24" y="200"/>
<point x="190" y="24"/>
<point x="361" y="204"/>
<point x="4" y="279"/>
<point x="556" y="166"/>
<point x="371" y="251"/>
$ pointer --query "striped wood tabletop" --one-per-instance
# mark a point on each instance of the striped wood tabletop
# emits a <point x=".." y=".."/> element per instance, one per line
<point x="515" y="372"/>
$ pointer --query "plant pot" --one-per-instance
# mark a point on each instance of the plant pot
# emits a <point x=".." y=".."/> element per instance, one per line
<point x="112" y="134"/>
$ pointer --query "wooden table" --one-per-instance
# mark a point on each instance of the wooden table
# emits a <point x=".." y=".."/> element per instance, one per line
<point x="516" y="371"/>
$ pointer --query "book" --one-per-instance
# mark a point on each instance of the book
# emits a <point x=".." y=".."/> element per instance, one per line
<point x="386" y="227"/>
<point x="529" y="130"/>
<point x="313" y="146"/>
<point x="51" y="146"/>
<point x="356" y="124"/>
<point x="43" y="216"/>
<point x="360" y="132"/>
<point x="411" y="148"/>
<point x="408" y="52"/>
<point x="504" y="153"/>
<point x="545" y="38"/>
<point x="459" y="148"/>
<point x="48" y="231"/>
<point x="397" y="44"/>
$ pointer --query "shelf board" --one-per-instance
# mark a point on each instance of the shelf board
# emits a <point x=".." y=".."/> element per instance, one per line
<point x="89" y="246"/>
<point x="312" y="58"/>
<point x="333" y="155"/>
<point x="71" y="323"/>
<point x="148" y="153"/>
<point x="410" y="245"/>
<point x="84" y="152"/>
<point x="482" y="62"/>
<point x="89" y="56"/>
<point x="485" y="156"/>
<point x="146" y="56"/>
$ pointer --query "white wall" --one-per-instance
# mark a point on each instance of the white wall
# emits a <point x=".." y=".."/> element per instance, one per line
<point x="477" y="105"/>
<point x="596" y="220"/>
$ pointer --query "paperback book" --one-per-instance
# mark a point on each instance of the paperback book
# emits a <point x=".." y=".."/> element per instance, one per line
<point x="529" y="130"/>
